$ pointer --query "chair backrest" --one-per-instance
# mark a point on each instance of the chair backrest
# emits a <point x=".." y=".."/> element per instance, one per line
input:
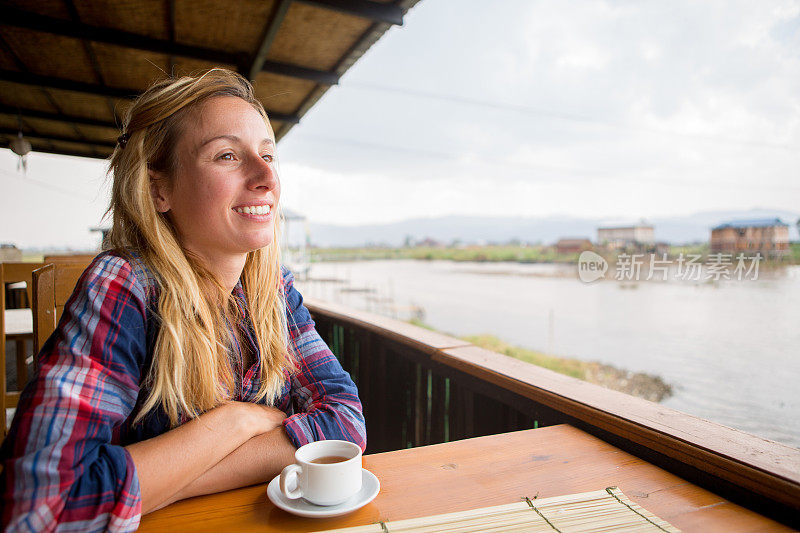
<point x="14" y="272"/>
<point x="11" y="272"/>
<point x="52" y="286"/>
<point x="68" y="258"/>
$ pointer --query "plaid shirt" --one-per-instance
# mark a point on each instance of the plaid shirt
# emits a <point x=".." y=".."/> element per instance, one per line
<point x="64" y="462"/>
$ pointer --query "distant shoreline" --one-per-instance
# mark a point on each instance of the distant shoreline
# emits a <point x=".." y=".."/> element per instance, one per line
<point x="509" y="253"/>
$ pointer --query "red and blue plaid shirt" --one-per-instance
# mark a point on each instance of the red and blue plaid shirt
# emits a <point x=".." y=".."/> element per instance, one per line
<point x="64" y="462"/>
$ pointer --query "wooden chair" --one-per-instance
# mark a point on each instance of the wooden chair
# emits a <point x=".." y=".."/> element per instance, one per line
<point x="13" y="272"/>
<point x="52" y="286"/>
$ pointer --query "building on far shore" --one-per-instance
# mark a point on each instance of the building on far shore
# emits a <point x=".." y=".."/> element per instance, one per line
<point x="769" y="236"/>
<point x="429" y="242"/>
<point x="573" y="245"/>
<point x="637" y="236"/>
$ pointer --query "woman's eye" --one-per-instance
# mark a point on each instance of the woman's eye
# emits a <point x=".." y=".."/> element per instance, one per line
<point x="269" y="158"/>
<point x="227" y="156"/>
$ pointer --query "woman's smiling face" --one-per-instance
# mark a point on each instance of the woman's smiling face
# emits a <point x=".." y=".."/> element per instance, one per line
<point x="224" y="195"/>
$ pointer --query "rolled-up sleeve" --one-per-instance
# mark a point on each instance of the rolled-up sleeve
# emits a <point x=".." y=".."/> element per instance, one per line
<point x="61" y="469"/>
<point x="327" y="400"/>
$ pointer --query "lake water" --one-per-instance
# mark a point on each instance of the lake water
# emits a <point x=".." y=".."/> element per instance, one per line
<point x="731" y="349"/>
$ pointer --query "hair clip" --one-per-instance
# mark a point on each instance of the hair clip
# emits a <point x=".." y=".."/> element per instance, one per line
<point x="122" y="140"/>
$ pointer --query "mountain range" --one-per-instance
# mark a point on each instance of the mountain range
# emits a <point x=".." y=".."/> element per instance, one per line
<point x="544" y="230"/>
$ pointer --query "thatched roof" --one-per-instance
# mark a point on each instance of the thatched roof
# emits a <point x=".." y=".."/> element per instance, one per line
<point x="68" y="69"/>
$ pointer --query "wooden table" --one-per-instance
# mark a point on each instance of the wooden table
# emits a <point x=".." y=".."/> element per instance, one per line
<point x="480" y="472"/>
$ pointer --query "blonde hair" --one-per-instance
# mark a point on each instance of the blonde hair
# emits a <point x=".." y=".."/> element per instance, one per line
<point x="191" y="372"/>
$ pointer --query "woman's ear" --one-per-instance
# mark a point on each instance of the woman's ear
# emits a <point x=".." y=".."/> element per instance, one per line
<point x="158" y="191"/>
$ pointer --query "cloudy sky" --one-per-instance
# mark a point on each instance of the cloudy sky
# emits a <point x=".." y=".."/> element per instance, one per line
<point x="586" y="108"/>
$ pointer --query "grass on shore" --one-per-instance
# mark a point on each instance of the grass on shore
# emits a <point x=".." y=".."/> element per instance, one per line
<point x="639" y="384"/>
<point x="570" y="367"/>
<point x="523" y="254"/>
<point x="506" y="253"/>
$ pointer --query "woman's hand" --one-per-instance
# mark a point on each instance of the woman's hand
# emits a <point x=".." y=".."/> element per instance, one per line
<point x="257" y="418"/>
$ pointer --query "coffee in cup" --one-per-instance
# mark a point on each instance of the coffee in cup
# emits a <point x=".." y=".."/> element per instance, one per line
<point x="327" y="472"/>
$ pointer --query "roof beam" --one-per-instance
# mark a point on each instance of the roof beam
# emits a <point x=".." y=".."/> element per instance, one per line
<point x="79" y="30"/>
<point x="270" y="31"/>
<point x="58" y="117"/>
<point x="293" y="71"/>
<point x="374" y="11"/>
<point x="36" y="80"/>
<point x="58" y="151"/>
<point x="60" y="138"/>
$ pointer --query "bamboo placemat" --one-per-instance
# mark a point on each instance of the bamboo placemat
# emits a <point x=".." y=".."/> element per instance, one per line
<point x="602" y="510"/>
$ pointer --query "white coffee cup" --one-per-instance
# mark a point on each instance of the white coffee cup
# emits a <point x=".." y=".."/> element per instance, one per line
<point x="324" y="483"/>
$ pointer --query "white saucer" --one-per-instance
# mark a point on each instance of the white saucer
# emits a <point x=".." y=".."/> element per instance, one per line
<point x="370" y="487"/>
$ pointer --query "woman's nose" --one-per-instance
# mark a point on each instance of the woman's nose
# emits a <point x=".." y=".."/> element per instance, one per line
<point x="263" y="173"/>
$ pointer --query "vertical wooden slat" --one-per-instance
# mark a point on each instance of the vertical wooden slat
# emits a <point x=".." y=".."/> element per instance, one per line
<point x="516" y="421"/>
<point x="510" y="420"/>
<point x="453" y="421"/>
<point x="44" y="305"/>
<point x="469" y="413"/>
<point x="379" y="401"/>
<point x="365" y="382"/>
<point x="427" y="382"/>
<point x="419" y="405"/>
<point x="365" y="377"/>
<point x="345" y="353"/>
<point x="395" y="402"/>
<point x="324" y="328"/>
<point x="438" y="404"/>
<point x="404" y="388"/>
<point x="487" y="415"/>
<point x="458" y="409"/>
<point x="462" y="413"/>
<point x="336" y="346"/>
<point x="355" y="357"/>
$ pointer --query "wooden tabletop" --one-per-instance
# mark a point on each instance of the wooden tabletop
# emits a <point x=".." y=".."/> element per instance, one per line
<point x="479" y="472"/>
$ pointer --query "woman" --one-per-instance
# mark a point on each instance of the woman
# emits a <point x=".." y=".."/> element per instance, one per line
<point x="184" y="362"/>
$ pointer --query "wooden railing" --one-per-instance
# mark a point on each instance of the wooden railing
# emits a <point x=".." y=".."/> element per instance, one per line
<point x="419" y="387"/>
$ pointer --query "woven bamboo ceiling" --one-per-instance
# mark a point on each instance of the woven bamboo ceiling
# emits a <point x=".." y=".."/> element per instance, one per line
<point x="69" y="68"/>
